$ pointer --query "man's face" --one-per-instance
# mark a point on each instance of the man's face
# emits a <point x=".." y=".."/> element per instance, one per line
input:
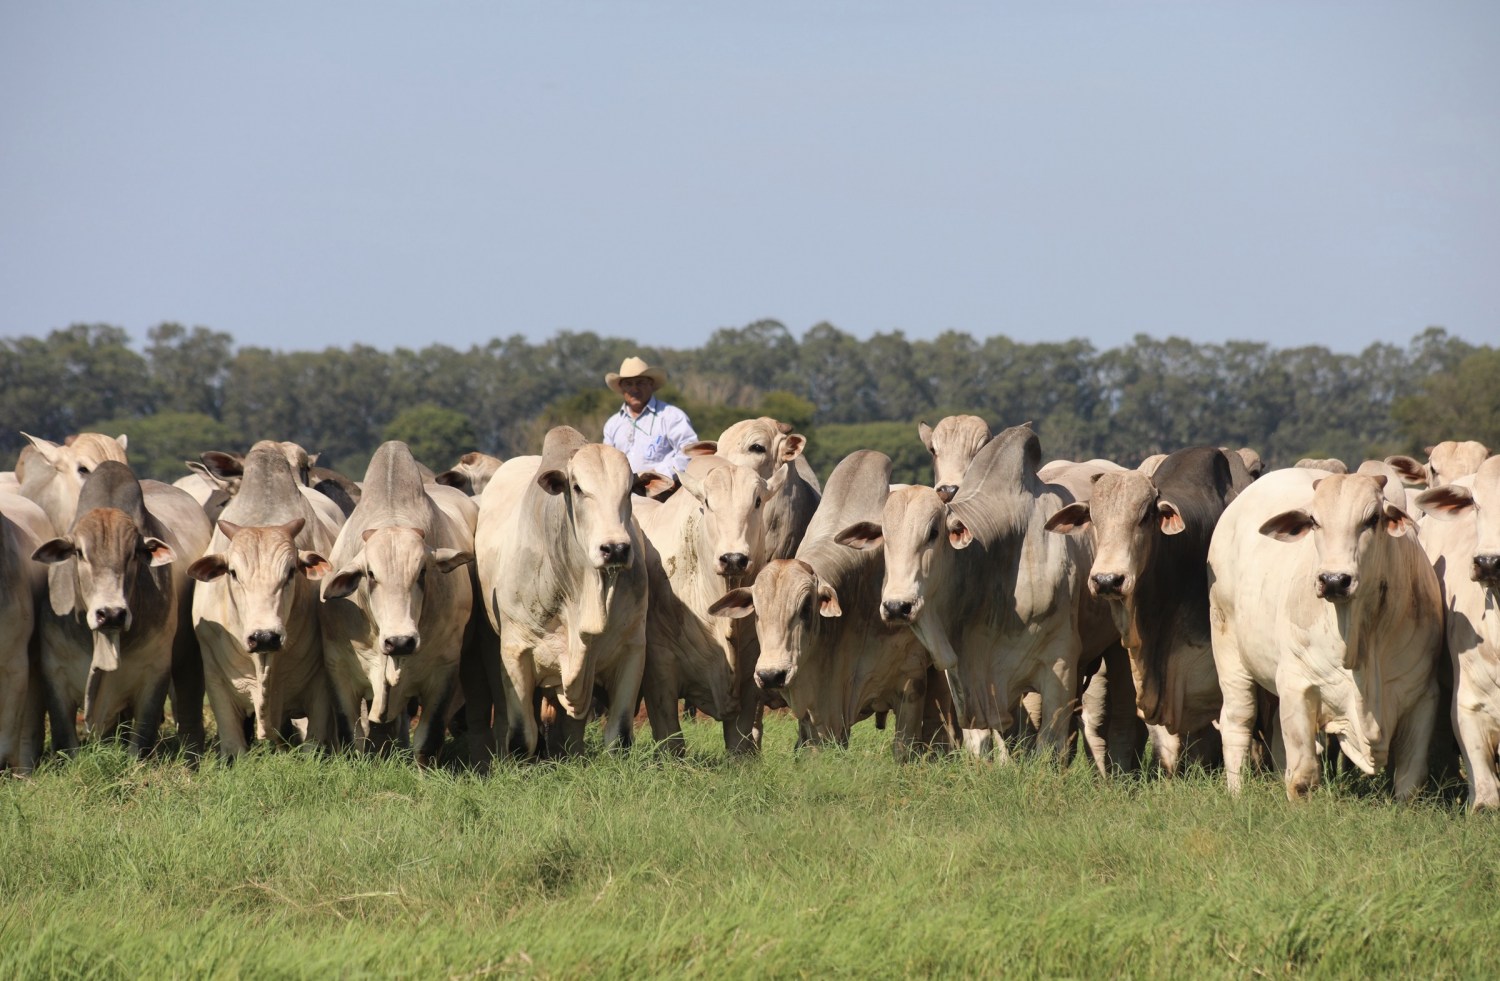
<point x="637" y="392"/>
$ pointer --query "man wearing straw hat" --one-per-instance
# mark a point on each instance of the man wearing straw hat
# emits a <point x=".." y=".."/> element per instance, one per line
<point x="647" y="430"/>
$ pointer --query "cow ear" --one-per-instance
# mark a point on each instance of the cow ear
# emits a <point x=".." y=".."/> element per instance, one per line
<point x="313" y="565"/>
<point x="552" y="481"/>
<point x="1171" y="518"/>
<point x="448" y="559"/>
<point x="734" y="604"/>
<point x="222" y="465"/>
<point x="692" y="485"/>
<point x="452" y="478"/>
<point x="702" y="447"/>
<point x="861" y="535"/>
<point x="312" y="459"/>
<point x="54" y="551"/>
<point x="828" y="602"/>
<point x="46" y="448"/>
<point x="649" y="483"/>
<point x="959" y="535"/>
<point x="1075" y="517"/>
<point x="1397" y="521"/>
<point x="213" y="479"/>
<point x="924" y="433"/>
<point x="161" y="552"/>
<point x="778" y="480"/>
<point x="123" y="441"/>
<point x="364" y="536"/>
<point x="1410" y="470"/>
<point x="343" y="583"/>
<point x="1288" y="526"/>
<point x="793" y="446"/>
<point x="1446" y="502"/>
<point x="209" y="567"/>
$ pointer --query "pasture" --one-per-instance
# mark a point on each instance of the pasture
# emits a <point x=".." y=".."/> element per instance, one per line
<point x="815" y="864"/>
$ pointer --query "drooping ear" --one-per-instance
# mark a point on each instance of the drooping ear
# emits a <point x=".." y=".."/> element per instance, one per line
<point x="1380" y="479"/>
<point x="54" y="551"/>
<point x="46" y="448"/>
<point x="448" y="559"/>
<point x="364" y="536"/>
<point x="793" y="446"/>
<point x="703" y="447"/>
<point x="222" y="465"/>
<point x="734" y="604"/>
<point x="649" y="483"/>
<point x="161" y="552"/>
<point x="343" y="583"/>
<point x="211" y="478"/>
<point x="229" y="528"/>
<point x="209" y="567"/>
<point x="1447" y="502"/>
<point x="292" y="528"/>
<point x="924" y="433"/>
<point x="828" y="601"/>
<point x="1171" y="518"/>
<point x="313" y="565"/>
<point x="1072" y="518"/>
<point x="693" y="486"/>
<point x="1410" y="470"/>
<point x="453" y="478"/>
<point x="861" y="535"/>
<point x="552" y="481"/>
<point x="778" y="480"/>
<point x="959" y="535"/>
<point x="1397" y="521"/>
<point x="1288" y="526"/>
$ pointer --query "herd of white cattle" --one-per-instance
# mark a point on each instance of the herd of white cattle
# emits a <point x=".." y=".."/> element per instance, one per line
<point x="1193" y="603"/>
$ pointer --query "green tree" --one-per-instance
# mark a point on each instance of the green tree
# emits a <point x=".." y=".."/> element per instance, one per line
<point x="1460" y="404"/>
<point x="160" y="443"/>
<point x="436" y="436"/>
<point x="189" y="369"/>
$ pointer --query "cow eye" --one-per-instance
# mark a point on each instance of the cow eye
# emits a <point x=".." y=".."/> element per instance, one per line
<point x="370" y="578"/>
<point x="422" y="577"/>
<point x="83" y="470"/>
<point x="576" y="488"/>
<point x="757" y="448"/>
<point x="234" y="576"/>
<point x="757" y="501"/>
<point x="932" y="535"/>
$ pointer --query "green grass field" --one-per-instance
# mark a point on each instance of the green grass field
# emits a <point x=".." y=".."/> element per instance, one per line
<point x="835" y="863"/>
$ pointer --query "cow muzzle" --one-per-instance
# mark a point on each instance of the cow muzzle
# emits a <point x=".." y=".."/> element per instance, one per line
<point x="1486" y="569"/>
<point x="1107" y="585"/>
<point x="264" y="641"/>
<point x="772" y="679"/>
<point x="110" y="618"/>
<point x="1335" y="587"/>
<point x="614" y="554"/>
<point x="898" y="611"/>
<point x="946" y="492"/>
<point x="734" y="564"/>
<point x="402" y="645"/>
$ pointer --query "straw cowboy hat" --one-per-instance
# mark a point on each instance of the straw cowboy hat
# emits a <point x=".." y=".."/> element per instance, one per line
<point x="635" y="368"/>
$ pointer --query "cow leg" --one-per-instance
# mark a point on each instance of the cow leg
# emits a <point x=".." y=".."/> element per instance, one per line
<point x="1411" y="741"/>
<point x="623" y="686"/>
<point x="428" y="739"/>
<point x="187" y="685"/>
<point x="149" y="709"/>
<point x="1299" y="729"/>
<point x="906" y="743"/>
<point x="1167" y="748"/>
<point x="660" y="692"/>
<point x="1477" y="739"/>
<point x="1236" y="718"/>
<point x="741" y="729"/>
<point x="519" y="682"/>
<point x="321" y="728"/>
<point x="1057" y="687"/>
<point x="480" y="695"/>
<point x="228" y="718"/>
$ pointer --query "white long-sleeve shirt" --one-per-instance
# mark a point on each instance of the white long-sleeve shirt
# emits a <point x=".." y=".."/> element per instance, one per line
<point x="655" y="440"/>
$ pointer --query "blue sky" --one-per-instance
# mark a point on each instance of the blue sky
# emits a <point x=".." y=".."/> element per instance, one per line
<point x="304" y="175"/>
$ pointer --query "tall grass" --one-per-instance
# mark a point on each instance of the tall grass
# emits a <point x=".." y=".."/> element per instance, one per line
<point x="836" y="863"/>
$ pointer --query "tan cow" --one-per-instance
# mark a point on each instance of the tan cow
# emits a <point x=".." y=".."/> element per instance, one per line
<point x="23" y="586"/>
<point x="993" y="597"/>
<point x="56" y="485"/>
<point x="1318" y="594"/>
<point x="564" y="583"/>
<point x="394" y="616"/>
<point x="821" y="644"/>
<point x="707" y="538"/>
<point x="119" y="591"/>
<point x="1464" y="545"/>
<point x="255" y="610"/>
<point x="1446" y="462"/>
<point x="953" y="442"/>
<point x="763" y="445"/>
<point x="472" y="473"/>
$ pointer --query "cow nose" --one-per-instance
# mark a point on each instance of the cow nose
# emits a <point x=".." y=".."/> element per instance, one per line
<point x="947" y="491"/>
<point x="1332" y="584"/>
<point x="733" y="563"/>
<point x="110" y="618"/>
<point x="1108" y="583"/>
<point x="1486" y="568"/>
<point x="399" y="646"/>
<point x="895" y="610"/>
<point x="263" y="642"/>
<point x="771" y="678"/>
<point x="615" y="553"/>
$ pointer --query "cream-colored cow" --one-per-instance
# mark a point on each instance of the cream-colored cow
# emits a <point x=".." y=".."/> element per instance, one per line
<point x="953" y="442"/>
<point x="707" y="538"/>
<point x="393" y="615"/>
<point x="564" y="583"/>
<point x="764" y="445"/>
<point x="472" y="473"/>
<point x="1446" y="462"/>
<point x="23" y="585"/>
<point x="1464" y="545"/>
<point x="55" y="480"/>
<point x="1319" y="595"/>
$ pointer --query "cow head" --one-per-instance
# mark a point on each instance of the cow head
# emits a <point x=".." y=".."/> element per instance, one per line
<point x="761" y="444"/>
<point x="70" y="465"/>
<point x="953" y="442"/>
<point x="789" y="602"/>
<point x="597" y="483"/>
<point x="1348" y="517"/>
<point x="105" y="550"/>
<point x="1477" y="497"/>
<point x="730" y="500"/>
<point x="919" y="531"/>
<point x="261" y="568"/>
<point x="1446" y="462"/>
<point x="1127" y="513"/>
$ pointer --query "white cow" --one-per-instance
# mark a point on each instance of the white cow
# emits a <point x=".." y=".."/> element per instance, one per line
<point x="1446" y="462"/>
<point x="393" y="615"/>
<point x="1464" y="545"/>
<point x="763" y="445"/>
<point x="55" y="480"/>
<point x="953" y="443"/>
<point x="1318" y="594"/>
<point x="23" y="585"/>
<point x="471" y="474"/>
<point x="255" y="610"/>
<point x="564" y="583"/>
<point x="707" y="538"/>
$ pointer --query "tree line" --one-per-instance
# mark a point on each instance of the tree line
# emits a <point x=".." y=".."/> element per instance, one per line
<point x="187" y="390"/>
